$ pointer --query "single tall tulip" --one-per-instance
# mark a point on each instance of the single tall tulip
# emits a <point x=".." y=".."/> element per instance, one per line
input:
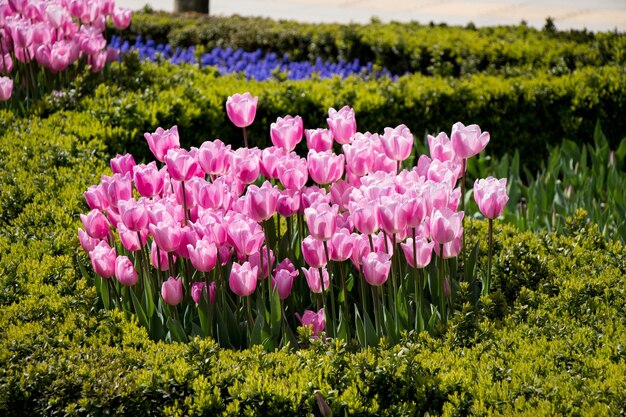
<point x="103" y="259"/>
<point x="286" y="133"/>
<point x="172" y="291"/>
<point x="468" y="141"/>
<point x="6" y="88"/>
<point x="241" y="109"/>
<point x="243" y="279"/>
<point x="162" y="141"/>
<point x="342" y="124"/>
<point x="125" y="271"/>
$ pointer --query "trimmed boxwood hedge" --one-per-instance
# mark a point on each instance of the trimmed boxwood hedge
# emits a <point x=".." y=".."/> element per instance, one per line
<point x="524" y="113"/>
<point x="400" y="47"/>
<point x="550" y="340"/>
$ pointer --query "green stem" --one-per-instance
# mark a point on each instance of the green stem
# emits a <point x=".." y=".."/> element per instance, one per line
<point x="250" y="324"/>
<point x="245" y="137"/>
<point x="323" y="295"/>
<point x="463" y="167"/>
<point x="487" y="286"/>
<point x="330" y="288"/>
<point x="441" y="278"/>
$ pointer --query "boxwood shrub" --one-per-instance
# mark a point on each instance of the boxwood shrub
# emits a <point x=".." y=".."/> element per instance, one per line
<point x="523" y="113"/>
<point x="400" y="47"/>
<point x="550" y="339"/>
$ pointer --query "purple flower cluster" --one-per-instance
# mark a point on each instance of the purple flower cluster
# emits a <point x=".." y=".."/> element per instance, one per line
<point x="256" y="64"/>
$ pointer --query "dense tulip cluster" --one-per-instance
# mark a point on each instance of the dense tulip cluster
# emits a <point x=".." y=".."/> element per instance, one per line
<point x="209" y="226"/>
<point x="255" y="65"/>
<point x="53" y="34"/>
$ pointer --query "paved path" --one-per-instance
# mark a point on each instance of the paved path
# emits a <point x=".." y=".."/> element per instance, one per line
<point x="578" y="14"/>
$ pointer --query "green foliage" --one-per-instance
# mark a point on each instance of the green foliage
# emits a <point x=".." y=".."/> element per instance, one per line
<point x="525" y="114"/>
<point x="553" y="345"/>
<point x="401" y="47"/>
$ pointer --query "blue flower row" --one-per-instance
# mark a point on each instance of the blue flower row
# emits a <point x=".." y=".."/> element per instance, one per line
<point x="254" y="64"/>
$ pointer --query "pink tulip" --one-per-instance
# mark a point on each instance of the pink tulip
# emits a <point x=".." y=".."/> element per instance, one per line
<point x="359" y="157"/>
<point x="245" y="236"/>
<point x="255" y="261"/>
<point x="341" y="245"/>
<point x="116" y="189"/>
<point x="188" y="236"/>
<point x="148" y="179"/>
<point x="424" y="251"/>
<point x="261" y="202"/>
<point x="415" y="210"/>
<point x="340" y="194"/>
<point x="293" y="174"/>
<point x="317" y="321"/>
<point x="360" y="250"/>
<point x="320" y="140"/>
<point x="313" y="252"/>
<point x="172" y="291"/>
<point x="6" y="64"/>
<point x="125" y="271"/>
<point x="159" y="259"/>
<point x="241" y="109"/>
<point x="325" y="167"/>
<point x="312" y="276"/>
<point x="121" y="18"/>
<point x="376" y="267"/>
<point x="130" y="239"/>
<point x="103" y="259"/>
<point x="87" y="242"/>
<point x="445" y="225"/>
<point x="161" y="141"/>
<point x="490" y="195"/>
<point x="468" y="141"/>
<point x="123" y="164"/>
<point x="243" y="279"/>
<point x="282" y="280"/>
<point x="203" y="256"/>
<point x="288" y="202"/>
<point x="167" y="235"/>
<point x="60" y="56"/>
<point x="96" y="224"/>
<point x="441" y="148"/>
<point x="6" y="88"/>
<point x="365" y="217"/>
<point x="397" y="142"/>
<point x="271" y="160"/>
<point x="322" y="221"/>
<point x="214" y="157"/>
<point x="181" y="165"/>
<point x="286" y="133"/>
<point x="312" y="196"/>
<point x="393" y="217"/>
<point x="197" y="288"/>
<point x="452" y="248"/>
<point x="134" y="215"/>
<point x="342" y="124"/>
<point x="246" y="165"/>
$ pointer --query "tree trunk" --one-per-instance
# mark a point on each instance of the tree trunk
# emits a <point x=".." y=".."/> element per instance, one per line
<point x="200" y="6"/>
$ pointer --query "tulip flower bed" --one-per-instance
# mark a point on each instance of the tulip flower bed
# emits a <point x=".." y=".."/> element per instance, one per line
<point x="401" y="47"/>
<point x="42" y="40"/>
<point x="214" y="217"/>
<point x="547" y="340"/>
<point x="255" y="65"/>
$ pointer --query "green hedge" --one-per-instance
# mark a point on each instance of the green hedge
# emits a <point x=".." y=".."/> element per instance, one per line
<point x="401" y="47"/>
<point x="549" y="341"/>
<point x="523" y="113"/>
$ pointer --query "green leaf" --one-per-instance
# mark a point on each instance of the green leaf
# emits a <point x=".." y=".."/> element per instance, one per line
<point x="139" y="311"/>
<point x="275" y="314"/>
<point x="176" y="330"/>
<point x="256" y="338"/>
<point x="148" y="300"/>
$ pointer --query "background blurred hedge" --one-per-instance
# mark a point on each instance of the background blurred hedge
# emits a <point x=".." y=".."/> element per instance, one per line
<point x="523" y="113"/>
<point x="550" y="340"/>
<point x="400" y="47"/>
